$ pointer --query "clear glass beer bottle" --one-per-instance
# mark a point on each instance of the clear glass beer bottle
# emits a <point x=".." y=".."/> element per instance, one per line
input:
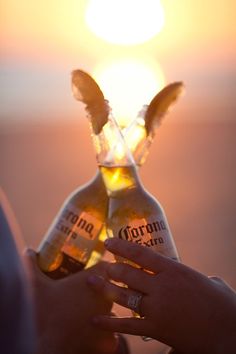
<point x="72" y="237"/>
<point x="118" y="168"/>
<point x="75" y="239"/>
<point x="133" y="214"/>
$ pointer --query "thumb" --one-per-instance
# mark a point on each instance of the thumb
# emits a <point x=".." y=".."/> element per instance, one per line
<point x="30" y="258"/>
<point x="32" y="267"/>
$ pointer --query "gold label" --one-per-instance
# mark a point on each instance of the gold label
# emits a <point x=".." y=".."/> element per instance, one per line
<point x="75" y="223"/>
<point x="153" y="232"/>
<point x="74" y="232"/>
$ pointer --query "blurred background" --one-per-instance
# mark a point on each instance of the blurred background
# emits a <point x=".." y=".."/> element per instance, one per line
<point x="133" y="49"/>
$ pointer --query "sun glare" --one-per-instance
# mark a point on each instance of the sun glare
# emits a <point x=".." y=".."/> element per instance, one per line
<point x="125" y="21"/>
<point x="128" y="85"/>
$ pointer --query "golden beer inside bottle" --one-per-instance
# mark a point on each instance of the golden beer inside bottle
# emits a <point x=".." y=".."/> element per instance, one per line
<point x="118" y="178"/>
<point x="133" y="214"/>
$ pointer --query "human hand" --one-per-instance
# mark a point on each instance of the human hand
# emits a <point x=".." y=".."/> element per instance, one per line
<point x="179" y="307"/>
<point x="63" y="310"/>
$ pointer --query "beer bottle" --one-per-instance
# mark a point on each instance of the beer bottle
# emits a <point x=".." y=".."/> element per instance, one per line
<point x="75" y="239"/>
<point x="138" y="136"/>
<point x="133" y="213"/>
<point x="68" y="244"/>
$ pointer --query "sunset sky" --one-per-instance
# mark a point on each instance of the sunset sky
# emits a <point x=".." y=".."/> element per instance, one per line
<point x="42" y="41"/>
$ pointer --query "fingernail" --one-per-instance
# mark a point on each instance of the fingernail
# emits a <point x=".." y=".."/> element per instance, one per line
<point x="107" y="242"/>
<point x="110" y="242"/>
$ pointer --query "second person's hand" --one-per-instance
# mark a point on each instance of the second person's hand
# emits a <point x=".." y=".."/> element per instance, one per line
<point x="64" y="309"/>
<point x="178" y="305"/>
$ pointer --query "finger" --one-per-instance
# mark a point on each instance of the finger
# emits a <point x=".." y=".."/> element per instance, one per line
<point x="29" y="256"/>
<point x="123" y="296"/>
<point x="98" y="269"/>
<point x="30" y="260"/>
<point x="81" y="277"/>
<point x="143" y="256"/>
<point x="135" y="278"/>
<point x="129" y="325"/>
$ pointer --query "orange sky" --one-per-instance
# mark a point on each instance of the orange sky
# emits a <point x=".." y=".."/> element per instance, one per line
<point x="62" y="24"/>
<point x="42" y="41"/>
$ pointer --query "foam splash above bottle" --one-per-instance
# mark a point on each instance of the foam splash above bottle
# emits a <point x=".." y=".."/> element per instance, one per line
<point x="140" y="133"/>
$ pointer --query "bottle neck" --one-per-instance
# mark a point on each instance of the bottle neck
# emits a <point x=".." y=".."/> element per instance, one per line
<point x="111" y="148"/>
<point x="120" y="179"/>
<point x="114" y="159"/>
<point x="138" y="140"/>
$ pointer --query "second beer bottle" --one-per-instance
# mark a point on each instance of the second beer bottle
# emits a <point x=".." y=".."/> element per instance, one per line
<point x="133" y="213"/>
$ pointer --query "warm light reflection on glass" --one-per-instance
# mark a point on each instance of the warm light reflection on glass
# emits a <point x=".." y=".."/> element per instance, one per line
<point x="120" y="151"/>
<point x="114" y="147"/>
<point x="129" y="84"/>
<point x="135" y="137"/>
<point x="125" y="21"/>
<point x="117" y="178"/>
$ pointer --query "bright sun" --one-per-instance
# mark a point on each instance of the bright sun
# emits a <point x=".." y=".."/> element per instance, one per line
<point x="128" y="84"/>
<point x="125" y="21"/>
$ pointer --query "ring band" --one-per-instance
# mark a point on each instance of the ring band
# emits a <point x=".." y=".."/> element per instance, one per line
<point x="134" y="302"/>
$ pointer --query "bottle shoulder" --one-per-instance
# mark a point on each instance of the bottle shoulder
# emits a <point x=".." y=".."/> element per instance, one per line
<point x="152" y="199"/>
<point x="92" y="194"/>
<point x="135" y="200"/>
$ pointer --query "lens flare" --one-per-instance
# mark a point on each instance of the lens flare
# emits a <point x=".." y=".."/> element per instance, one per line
<point x="125" y="22"/>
